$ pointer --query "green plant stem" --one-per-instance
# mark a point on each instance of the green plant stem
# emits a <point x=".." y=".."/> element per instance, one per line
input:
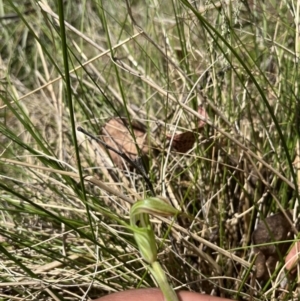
<point x="162" y="281"/>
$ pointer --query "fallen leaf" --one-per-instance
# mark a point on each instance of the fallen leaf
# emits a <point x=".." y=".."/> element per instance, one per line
<point x="183" y="142"/>
<point x="116" y="134"/>
<point x="293" y="258"/>
<point x="274" y="228"/>
<point x="203" y="113"/>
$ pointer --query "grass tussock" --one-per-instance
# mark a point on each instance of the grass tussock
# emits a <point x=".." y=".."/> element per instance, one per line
<point x="161" y="67"/>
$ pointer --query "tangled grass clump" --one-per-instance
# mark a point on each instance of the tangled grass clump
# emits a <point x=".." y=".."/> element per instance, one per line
<point x="195" y="103"/>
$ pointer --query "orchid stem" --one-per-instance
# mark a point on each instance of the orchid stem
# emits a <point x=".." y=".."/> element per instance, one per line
<point x="161" y="279"/>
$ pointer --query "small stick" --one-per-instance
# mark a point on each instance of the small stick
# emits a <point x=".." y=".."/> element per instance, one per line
<point x="123" y="155"/>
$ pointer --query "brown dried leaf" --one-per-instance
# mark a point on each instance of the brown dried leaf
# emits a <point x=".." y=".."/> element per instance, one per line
<point x="116" y="134"/>
<point x="183" y="142"/>
<point x="293" y="258"/>
<point x="203" y="113"/>
<point x="273" y="228"/>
